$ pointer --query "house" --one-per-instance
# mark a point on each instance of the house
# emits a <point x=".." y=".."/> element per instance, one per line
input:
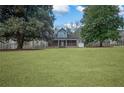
<point x="66" y="38"/>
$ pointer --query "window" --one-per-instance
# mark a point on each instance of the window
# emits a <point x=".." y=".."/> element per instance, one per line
<point x="62" y="34"/>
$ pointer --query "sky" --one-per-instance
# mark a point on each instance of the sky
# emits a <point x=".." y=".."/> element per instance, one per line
<point x="66" y="14"/>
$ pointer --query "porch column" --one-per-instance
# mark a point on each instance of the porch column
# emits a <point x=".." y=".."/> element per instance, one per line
<point x="77" y="42"/>
<point x="66" y="43"/>
<point x="58" y="43"/>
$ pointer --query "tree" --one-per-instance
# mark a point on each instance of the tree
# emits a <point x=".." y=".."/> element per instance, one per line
<point x="101" y="23"/>
<point x="19" y="30"/>
<point x="25" y="23"/>
<point x="45" y="15"/>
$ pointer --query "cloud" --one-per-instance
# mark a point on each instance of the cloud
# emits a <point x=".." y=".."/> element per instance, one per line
<point x="61" y="9"/>
<point x="80" y="8"/>
<point x="121" y="10"/>
<point x="72" y="25"/>
<point x="67" y="25"/>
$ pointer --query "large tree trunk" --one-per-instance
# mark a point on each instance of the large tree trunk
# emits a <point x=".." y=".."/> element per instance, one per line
<point x="20" y="40"/>
<point x="101" y="43"/>
<point x="20" y="44"/>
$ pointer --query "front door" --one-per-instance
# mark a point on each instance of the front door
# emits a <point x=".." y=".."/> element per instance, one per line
<point x="62" y="43"/>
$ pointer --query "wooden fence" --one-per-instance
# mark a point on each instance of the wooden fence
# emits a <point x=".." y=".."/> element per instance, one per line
<point x="27" y="45"/>
<point x="42" y="44"/>
<point x="105" y="44"/>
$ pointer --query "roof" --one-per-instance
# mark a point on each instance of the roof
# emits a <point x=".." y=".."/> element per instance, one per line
<point x="62" y="29"/>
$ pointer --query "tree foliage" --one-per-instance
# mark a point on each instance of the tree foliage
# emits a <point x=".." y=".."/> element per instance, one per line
<point x="101" y="23"/>
<point x="25" y="23"/>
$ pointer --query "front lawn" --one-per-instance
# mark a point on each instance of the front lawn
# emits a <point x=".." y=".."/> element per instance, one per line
<point x="63" y="67"/>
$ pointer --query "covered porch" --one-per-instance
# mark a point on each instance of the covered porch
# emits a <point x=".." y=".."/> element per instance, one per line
<point x="65" y="43"/>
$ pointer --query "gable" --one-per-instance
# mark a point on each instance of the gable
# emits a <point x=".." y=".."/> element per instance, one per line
<point x="62" y="33"/>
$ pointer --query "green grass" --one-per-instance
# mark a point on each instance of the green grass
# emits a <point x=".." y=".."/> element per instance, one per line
<point x="63" y="67"/>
